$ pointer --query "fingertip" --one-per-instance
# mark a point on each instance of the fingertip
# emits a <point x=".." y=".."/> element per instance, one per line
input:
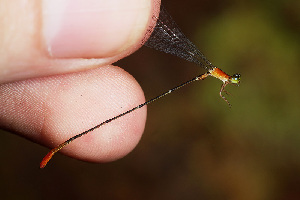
<point x="60" y="107"/>
<point x="61" y="36"/>
<point x="101" y="95"/>
<point x="92" y="28"/>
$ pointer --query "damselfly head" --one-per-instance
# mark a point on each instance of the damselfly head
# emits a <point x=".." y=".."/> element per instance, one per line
<point x="235" y="78"/>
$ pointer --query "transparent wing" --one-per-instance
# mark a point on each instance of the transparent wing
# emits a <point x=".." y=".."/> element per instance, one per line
<point x="168" y="38"/>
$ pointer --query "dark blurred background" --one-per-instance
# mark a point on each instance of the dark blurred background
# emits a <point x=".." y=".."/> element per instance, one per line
<point x="194" y="146"/>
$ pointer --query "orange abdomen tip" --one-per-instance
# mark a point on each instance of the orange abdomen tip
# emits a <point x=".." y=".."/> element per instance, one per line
<point x="46" y="159"/>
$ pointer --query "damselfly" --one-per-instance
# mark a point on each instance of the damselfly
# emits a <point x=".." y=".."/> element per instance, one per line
<point x="166" y="37"/>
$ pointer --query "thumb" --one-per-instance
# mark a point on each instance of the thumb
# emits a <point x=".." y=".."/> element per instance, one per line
<point x="41" y="38"/>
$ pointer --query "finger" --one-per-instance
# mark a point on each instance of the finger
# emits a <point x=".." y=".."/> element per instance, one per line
<point x="54" y="36"/>
<point x="50" y="110"/>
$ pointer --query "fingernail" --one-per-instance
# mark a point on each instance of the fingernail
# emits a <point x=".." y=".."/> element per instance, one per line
<point x="92" y="28"/>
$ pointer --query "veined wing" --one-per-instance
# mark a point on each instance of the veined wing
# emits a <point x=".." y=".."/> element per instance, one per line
<point x="167" y="37"/>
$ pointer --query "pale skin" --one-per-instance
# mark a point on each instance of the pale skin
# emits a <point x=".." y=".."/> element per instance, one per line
<point x="51" y="89"/>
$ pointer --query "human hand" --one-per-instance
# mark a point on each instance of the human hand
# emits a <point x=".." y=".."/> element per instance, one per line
<point x="51" y="89"/>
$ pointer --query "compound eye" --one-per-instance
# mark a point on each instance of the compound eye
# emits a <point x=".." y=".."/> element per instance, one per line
<point x="235" y="78"/>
